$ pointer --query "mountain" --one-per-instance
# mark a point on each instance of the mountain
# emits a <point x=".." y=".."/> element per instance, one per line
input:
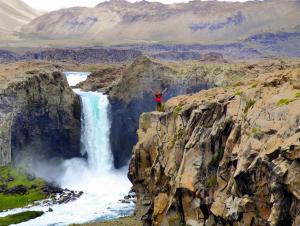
<point x="13" y="15"/>
<point x="196" y="21"/>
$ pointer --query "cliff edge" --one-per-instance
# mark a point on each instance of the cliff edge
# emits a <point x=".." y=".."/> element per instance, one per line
<point x="39" y="114"/>
<point x="224" y="156"/>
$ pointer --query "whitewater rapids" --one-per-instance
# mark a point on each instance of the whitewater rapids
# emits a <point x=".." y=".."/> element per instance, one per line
<point x="103" y="186"/>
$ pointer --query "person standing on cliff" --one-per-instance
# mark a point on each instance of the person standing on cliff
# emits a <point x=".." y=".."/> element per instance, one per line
<point x="159" y="99"/>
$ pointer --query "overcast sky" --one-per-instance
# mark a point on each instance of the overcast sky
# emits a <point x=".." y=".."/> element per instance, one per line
<point x="48" y="5"/>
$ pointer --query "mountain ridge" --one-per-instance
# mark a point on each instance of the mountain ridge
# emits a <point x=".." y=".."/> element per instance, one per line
<point x="15" y="13"/>
<point x="196" y="21"/>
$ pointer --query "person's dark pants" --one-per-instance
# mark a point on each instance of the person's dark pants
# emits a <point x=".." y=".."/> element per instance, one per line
<point x="159" y="106"/>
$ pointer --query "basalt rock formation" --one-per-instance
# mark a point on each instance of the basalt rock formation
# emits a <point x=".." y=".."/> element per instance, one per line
<point x="129" y="89"/>
<point x="75" y="55"/>
<point x="224" y="156"/>
<point x="39" y="114"/>
<point x="131" y="95"/>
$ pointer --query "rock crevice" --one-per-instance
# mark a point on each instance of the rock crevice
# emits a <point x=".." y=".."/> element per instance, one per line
<point x="222" y="156"/>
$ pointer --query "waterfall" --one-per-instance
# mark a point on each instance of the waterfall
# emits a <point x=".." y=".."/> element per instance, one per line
<point x="103" y="186"/>
<point x="95" y="131"/>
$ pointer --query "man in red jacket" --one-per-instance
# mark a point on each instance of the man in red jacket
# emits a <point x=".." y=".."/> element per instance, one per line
<point x="159" y="99"/>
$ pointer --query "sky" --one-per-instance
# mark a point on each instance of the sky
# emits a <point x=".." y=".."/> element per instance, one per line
<point x="49" y="5"/>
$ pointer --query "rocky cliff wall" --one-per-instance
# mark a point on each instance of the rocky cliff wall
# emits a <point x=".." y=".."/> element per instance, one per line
<point x="132" y="95"/>
<point x="129" y="89"/>
<point x="75" y="55"/>
<point x="39" y="114"/>
<point x="222" y="156"/>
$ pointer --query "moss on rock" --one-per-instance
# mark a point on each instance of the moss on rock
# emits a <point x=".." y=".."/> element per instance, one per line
<point x="19" y="217"/>
<point x="18" y="189"/>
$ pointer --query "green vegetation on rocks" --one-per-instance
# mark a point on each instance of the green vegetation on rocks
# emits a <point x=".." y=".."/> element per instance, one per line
<point x="254" y="85"/>
<point x="19" y="217"/>
<point x="211" y="181"/>
<point x="18" y="189"/>
<point x="249" y="104"/>
<point x="177" y="136"/>
<point x="283" y="102"/>
<point x="177" y="110"/>
<point x="238" y="93"/>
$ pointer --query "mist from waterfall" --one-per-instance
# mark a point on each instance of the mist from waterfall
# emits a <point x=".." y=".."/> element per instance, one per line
<point x="103" y="186"/>
<point x="95" y="143"/>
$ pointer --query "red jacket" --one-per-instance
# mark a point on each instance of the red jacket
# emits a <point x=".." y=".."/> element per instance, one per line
<point x="158" y="99"/>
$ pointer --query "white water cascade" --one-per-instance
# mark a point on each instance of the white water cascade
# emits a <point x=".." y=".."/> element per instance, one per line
<point x="103" y="186"/>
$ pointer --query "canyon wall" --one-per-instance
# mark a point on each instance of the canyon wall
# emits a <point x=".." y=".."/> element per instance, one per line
<point x="39" y="114"/>
<point x="224" y="156"/>
<point x="129" y="89"/>
<point x="132" y="96"/>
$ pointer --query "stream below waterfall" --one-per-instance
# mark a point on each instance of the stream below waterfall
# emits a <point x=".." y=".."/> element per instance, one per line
<point x="103" y="186"/>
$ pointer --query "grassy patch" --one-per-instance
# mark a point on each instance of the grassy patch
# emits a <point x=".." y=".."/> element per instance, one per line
<point x="92" y="69"/>
<point x="11" y="177"/>
<point x="211" y="181"/>
<point x="238" y="84"/>
<point x="177" y="110"/>
<point x="297" y="95"/>
<point x="283" y="102"/>
<point x="256" y="132"/>
<point x="15" y="201"/>
<point x="249" y="104"/>
<point x="238" y="93"/>
<point x="163" y="107"/>
<point x="174" y="219"/>
<point x="254" y="85"/>
<point x="19" y="217"/>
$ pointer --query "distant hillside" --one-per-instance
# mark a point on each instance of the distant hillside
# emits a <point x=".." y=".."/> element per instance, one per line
<point x="13" y="15"/>
<point x="266" y="45"/>
<point x="196" y="21"/>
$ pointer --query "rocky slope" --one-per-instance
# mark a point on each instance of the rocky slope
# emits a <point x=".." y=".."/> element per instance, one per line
<point x="13" y="15"/>
<point x="264" y="45"/>
<point x="224" y="156"/>
<point x="75" y="55"/>
<point x="129" y="89"/>
<point x="39" y="114"/>
<point x="208" y="21"/>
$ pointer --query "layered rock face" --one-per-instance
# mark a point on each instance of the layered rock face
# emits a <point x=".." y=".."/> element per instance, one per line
<point x="131" y="95"/>
<point x="75" y="55"/>
<point x="223" y="156"/>
<point x="39" y="114"/>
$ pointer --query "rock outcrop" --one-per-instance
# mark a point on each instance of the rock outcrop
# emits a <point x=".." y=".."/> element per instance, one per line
<point x="131" y="95"/>
<point x="103" y="78"/>
<point x="73" y="55"/>
<point x="39" y="114"/>
<point x="129" y="89"/>
<point x="224" y="156"/>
